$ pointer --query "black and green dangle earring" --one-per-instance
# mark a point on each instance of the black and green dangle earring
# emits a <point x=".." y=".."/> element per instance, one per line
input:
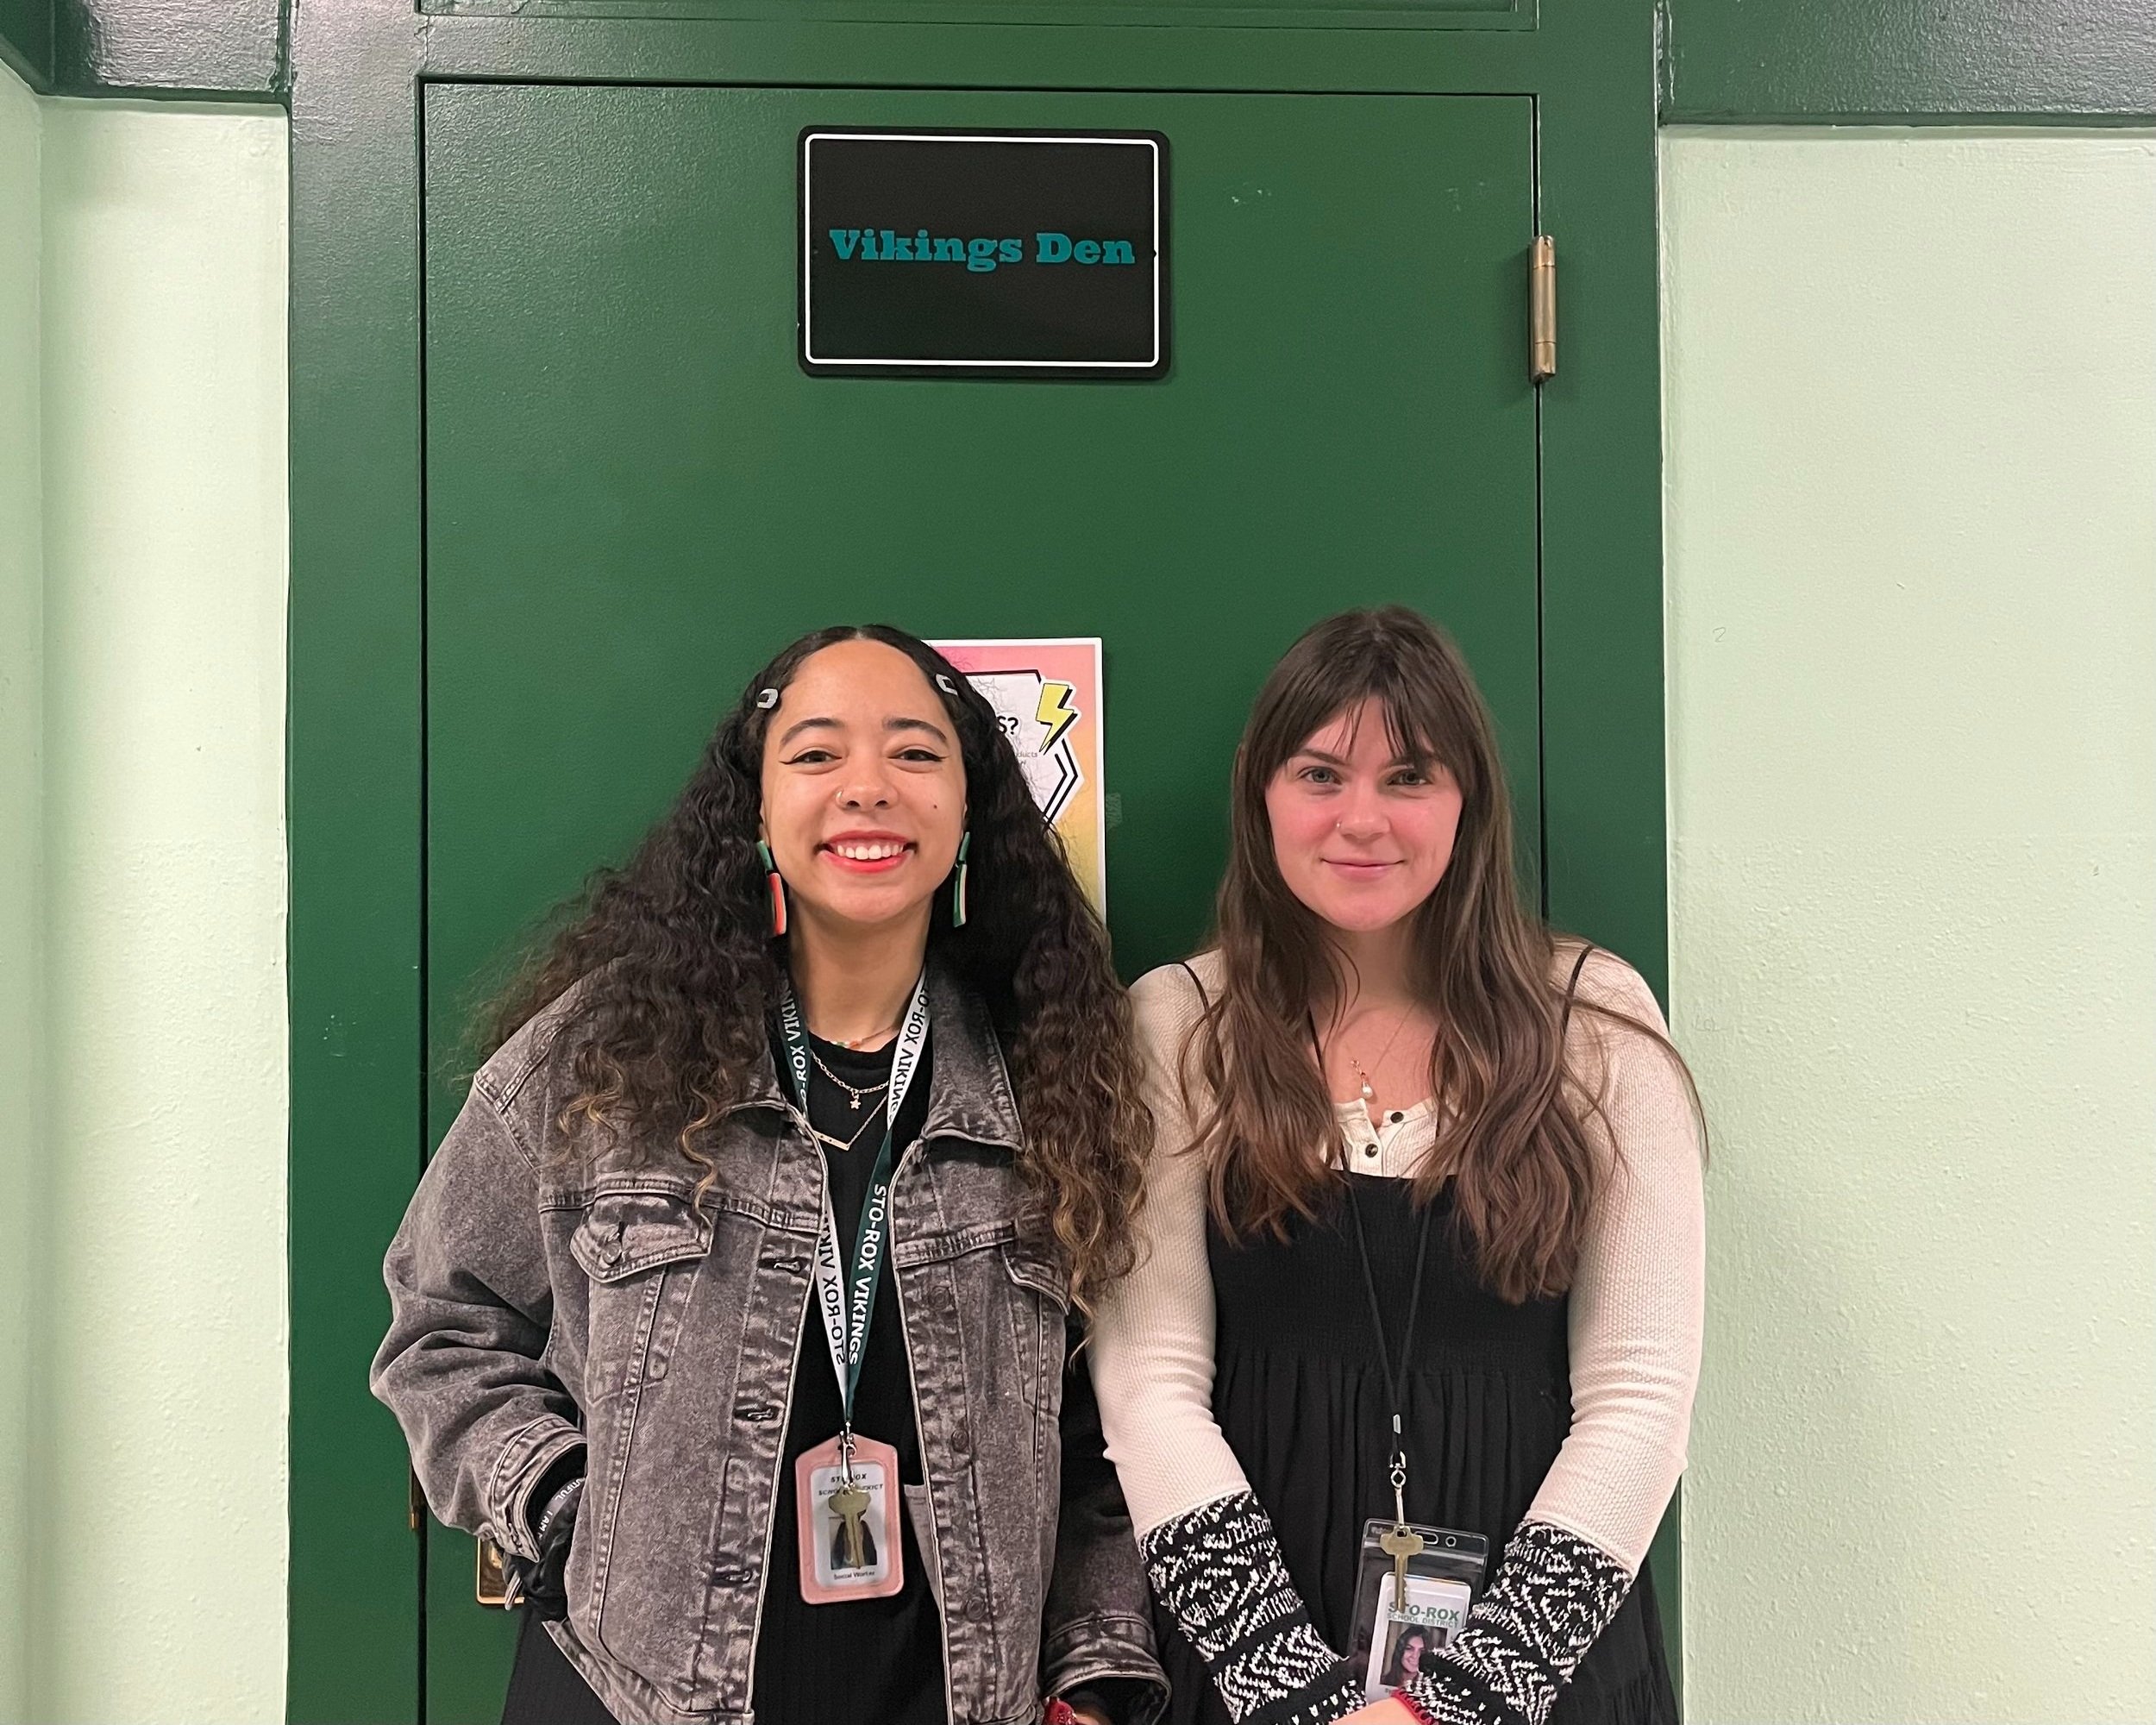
<point x="958" y="884"/>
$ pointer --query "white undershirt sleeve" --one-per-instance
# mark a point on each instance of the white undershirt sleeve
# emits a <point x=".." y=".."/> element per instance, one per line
<point x="1638" y="1296"/>
<point x="1152" y="1337"/>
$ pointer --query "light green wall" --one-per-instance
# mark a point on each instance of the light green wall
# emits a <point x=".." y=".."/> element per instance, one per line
<point x="159" y="1520"/>
<point x="21" y="779"/>
<point x="1911" y="423"/>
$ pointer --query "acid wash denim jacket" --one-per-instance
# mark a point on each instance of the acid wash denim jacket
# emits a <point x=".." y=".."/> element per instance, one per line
<point x="541" y="1302"/>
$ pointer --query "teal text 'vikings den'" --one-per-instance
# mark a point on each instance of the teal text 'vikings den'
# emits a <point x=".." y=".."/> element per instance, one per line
<point x="871" y="245"/>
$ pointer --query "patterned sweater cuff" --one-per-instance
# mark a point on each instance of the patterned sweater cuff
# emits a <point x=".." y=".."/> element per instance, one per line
<point x="1218" y="1571"/>
<point x="1554" y="1594"/>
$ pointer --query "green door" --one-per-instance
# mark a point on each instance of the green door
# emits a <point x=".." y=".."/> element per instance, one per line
<point x="634" y="494"/>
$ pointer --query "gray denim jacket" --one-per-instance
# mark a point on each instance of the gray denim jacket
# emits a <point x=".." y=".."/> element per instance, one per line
<point x="540" y="1302"/>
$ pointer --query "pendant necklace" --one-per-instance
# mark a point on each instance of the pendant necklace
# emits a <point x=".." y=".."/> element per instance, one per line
<point x="841" y="1144"/>
<point x="1370" y="1091"/>
<point x="853" y="1092"/>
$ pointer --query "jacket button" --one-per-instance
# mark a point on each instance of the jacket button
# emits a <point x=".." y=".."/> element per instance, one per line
<point x="756" y="1412"/>
<point x="739" y="1576"/>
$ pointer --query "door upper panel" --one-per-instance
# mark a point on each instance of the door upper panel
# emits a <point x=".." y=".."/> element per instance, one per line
<point x="634" y="494"/>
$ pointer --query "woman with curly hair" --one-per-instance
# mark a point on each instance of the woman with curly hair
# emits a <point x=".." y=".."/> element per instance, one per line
<point x="735" y="1306"/>
<point x="1425" y="1236"/>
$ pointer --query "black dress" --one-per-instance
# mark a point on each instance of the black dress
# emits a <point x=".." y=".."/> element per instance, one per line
<point x="869" y="1659"/>
<point x="1300" y="1395"/>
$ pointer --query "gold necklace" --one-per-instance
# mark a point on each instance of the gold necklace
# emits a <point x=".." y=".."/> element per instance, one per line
<point x="1370" y="1091"/>
<point x="855" y="1043"/>
<point x="841" y="1143"/>
<point x="853" y="1094"/>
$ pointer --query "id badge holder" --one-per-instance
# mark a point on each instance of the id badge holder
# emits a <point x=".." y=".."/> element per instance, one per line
<point x="1394" y="1634"/>
<point x="849" y="1556"/>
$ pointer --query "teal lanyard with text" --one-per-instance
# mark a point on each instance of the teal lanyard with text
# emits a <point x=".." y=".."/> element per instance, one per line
<point x="847" y="1300"/>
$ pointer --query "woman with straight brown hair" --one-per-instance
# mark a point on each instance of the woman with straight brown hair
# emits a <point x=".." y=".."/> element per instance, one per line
<point x="1423" y="1241"/>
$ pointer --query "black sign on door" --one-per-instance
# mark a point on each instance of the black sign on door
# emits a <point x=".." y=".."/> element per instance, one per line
<point x="1014" y="255"/>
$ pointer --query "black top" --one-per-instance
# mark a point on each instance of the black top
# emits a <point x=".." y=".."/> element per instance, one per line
<point x="879" y="1659"/>
<point x="868" y="1659"/>
<point x="1300" y="1395"/>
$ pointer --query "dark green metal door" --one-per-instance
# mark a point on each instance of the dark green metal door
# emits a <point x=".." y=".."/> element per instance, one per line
<point x="634" y="494"/>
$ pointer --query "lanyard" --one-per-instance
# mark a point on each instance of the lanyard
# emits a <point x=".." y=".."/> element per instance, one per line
<point x="1395" y="1382"/>
<point x="848" y="1299"/>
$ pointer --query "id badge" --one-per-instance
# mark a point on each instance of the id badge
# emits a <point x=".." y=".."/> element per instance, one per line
<point x="1397" y="1629"/>
<point x="848" y="1535"/>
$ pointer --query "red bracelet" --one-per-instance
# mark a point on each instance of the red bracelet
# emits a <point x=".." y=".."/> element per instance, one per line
<point x="1423" y="1715"/>
<point x="1059" y="1713"/>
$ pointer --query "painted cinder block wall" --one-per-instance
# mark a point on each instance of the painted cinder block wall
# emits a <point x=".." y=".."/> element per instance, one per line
<point x="21" y="586"/>
<point x="1910" y="380"/>
<point x="153" y="1531"/>
<point x="1911" y="568"/>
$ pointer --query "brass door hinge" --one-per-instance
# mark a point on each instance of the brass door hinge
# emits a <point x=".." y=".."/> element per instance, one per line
<point x="1542" y="309"/>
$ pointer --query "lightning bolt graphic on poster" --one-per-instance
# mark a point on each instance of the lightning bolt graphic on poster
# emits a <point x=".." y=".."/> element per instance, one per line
<point x="1047" y="695"/>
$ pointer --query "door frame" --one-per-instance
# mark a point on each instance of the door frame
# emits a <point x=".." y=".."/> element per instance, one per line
<point x="356" y="766"/>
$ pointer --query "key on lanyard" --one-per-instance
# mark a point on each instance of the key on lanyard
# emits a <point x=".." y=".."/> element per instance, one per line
<point x="1401" y="1542"/>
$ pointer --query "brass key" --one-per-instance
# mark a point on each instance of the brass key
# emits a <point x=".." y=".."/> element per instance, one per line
<point x="1399" y="1543"/>
<point x="850" y="1503"/>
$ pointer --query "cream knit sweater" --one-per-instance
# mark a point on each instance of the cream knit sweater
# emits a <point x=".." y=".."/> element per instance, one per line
<point x="1637" y="1298"/>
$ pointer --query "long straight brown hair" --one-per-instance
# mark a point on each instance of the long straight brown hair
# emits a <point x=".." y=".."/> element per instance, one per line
<point x="1513" y="1126"/>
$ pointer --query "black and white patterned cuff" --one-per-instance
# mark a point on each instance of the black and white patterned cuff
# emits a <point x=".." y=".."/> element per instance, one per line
<point x="1219" y="1570"/>
<point x="1554" y="1594"/>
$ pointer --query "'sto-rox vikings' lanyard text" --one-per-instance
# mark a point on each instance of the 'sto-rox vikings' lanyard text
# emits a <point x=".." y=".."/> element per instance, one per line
<point x="846" y="1297"/>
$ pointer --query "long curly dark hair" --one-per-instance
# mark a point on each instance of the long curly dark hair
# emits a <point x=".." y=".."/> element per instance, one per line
<point x="679" y="972"/>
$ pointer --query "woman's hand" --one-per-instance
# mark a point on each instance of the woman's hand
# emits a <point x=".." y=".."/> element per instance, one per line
<point x="1388" y="1711"/>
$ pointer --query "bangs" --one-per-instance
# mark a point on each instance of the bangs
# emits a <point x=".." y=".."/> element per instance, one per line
<point x="1416" y="730"/>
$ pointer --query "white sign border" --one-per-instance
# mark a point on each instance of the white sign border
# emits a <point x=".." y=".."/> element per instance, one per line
<point x="808" y="205"/>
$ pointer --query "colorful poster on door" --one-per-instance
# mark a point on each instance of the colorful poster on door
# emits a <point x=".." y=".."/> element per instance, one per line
<point x="1048" y="695"/>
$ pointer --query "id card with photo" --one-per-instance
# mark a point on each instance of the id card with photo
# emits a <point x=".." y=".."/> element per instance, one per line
<point x="1398" y="1629"/>
<point x="849" y="1529"/>
<point x="1409" y="1631"/>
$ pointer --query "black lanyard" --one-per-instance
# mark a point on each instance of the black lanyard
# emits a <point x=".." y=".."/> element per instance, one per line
<point x="1395" y="1382"/>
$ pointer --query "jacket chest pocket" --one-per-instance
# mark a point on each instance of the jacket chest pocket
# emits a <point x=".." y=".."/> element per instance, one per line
<point x="642" y="1252"/>
<point x="1038" y="1303"/>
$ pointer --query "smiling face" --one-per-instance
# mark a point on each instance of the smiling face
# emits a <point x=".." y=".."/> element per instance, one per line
<point x="1361" y="835"/>
<point x="864" y="791"/>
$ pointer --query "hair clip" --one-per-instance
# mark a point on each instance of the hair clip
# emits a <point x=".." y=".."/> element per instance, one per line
<point x="945" y="684"/>
<point x="767" y="699"/>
